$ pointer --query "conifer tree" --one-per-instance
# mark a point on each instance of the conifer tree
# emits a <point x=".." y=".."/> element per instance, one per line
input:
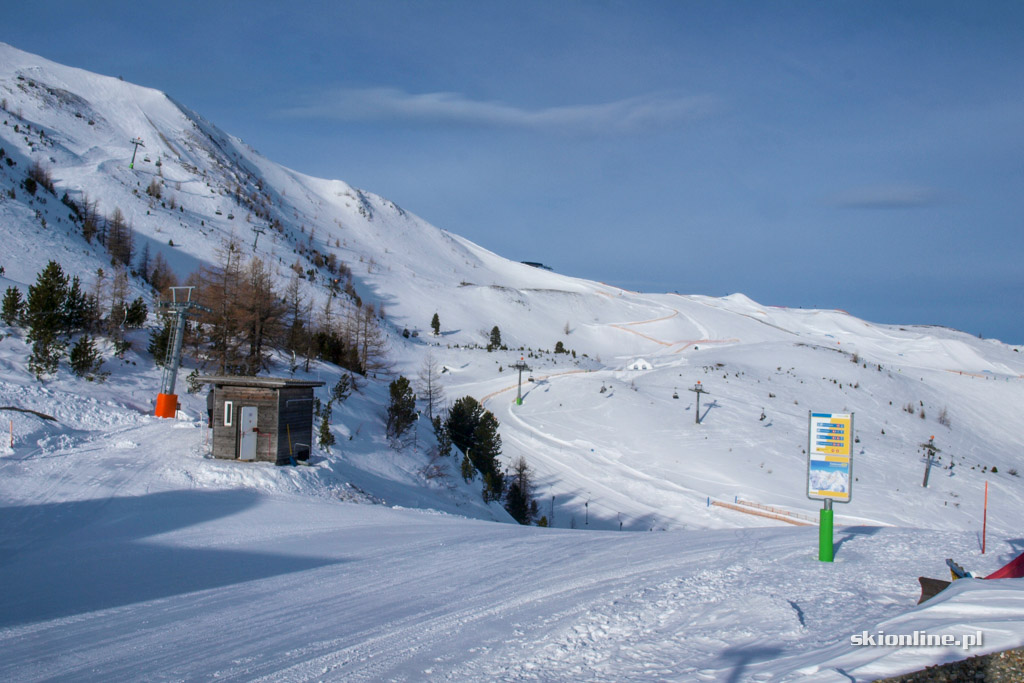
<point x="435" y="325"/>
<point x="325" y="436"/>
<point x="444" y="439"/>
<point x="79" y="312"/>
<point x="85" y="358"/>
<point x="137" y="313"/>
<point x="495" y="341"/>
<point x="342" y="388"/>
<point x="519" y="501"/>
<point x="401" y="408"/>
<point x="463" y="417"/>
<point x="13" y="307"/>
<point x="484" y="454"/>
<point x="45" y="319"/>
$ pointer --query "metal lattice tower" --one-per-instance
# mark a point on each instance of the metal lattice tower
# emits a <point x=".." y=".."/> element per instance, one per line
<point x="173" y="358"/>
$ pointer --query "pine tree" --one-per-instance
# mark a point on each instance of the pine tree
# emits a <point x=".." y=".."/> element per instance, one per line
<point x="435" y="325"/>
<point x="463" y="418"/>
<point x="519" y="500"/>
<point x="444" y="439"/>
<point x="484" y="454"/>
<point x="475" y="431"/>
<point x="326" y="437"/>
<point x="560" y="348"/>
<point x="45" y="319"/>
<point x="495" y="342"/>
<point x="137" y="314"/>
<point x="79" y="312"/>
<point x="85" y="358"/>
<point x="13" y="307"/>
<point x="342" y="388"/>
<point x="401" y="408"/>
<point x="493" y="487"/>
<point x="515" y="503"/>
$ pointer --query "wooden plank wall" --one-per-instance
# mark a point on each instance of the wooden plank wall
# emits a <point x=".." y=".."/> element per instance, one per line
<point x="225" y="439"/>
<point x="295" y="415"/>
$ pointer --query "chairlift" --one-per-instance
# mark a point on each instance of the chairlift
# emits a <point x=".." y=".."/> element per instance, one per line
<point x="675" y="394"/>
<point x="146" y="159"/>
<point x="530" y="378"/>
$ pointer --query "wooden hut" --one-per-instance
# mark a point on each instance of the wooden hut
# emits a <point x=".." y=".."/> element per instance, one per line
<point x="261" y="418"/>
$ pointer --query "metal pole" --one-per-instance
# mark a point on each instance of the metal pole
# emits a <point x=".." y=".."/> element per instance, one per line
<point x="984" y="521"/>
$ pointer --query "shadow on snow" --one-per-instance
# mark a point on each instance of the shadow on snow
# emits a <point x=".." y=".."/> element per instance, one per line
<point x="63" y="559"/>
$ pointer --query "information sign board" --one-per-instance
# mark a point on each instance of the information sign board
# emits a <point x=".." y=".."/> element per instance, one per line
<point x="830" y="457"/>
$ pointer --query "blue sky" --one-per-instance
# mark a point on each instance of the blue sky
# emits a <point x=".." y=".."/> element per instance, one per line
<point x="867" y="156"/>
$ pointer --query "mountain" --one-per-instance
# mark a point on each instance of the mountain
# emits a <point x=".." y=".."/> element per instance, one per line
<point x="612" y="448"/>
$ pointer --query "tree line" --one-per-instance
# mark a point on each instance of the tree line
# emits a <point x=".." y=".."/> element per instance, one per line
<point x="59" y="309"/>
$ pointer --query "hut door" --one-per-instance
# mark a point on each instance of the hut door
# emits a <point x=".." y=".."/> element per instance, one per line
<point x="248" y="435"/>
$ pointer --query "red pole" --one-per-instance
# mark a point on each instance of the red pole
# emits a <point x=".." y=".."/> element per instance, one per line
<point x="984" y="520"/>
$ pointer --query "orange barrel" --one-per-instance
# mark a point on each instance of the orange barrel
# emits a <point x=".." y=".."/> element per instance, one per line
<point x="166" y="405"/>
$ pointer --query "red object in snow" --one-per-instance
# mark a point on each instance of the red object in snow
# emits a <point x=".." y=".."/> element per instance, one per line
<point x="1013" y="570"/>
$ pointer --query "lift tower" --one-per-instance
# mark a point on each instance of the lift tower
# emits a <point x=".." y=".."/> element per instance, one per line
<point x="520" y="366"/>
<point x="167" y="400"/>
<point x="699" y="389"/>
<point x="138" y="143"/>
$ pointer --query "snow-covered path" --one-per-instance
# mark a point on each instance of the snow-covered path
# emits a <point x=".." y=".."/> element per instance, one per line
<point x="238" y="584"/>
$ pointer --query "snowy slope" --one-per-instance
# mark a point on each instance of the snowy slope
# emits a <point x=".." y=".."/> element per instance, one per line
<point x="125" y="544"/>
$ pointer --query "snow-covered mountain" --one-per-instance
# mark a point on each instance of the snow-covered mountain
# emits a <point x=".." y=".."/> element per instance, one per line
<point x="612" y="448"/>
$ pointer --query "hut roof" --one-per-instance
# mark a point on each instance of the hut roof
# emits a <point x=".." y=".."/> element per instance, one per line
<point x="262" y="382"/>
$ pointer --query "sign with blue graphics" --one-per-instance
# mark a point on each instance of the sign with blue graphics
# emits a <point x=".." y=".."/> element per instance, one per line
<point x="830" y="457"/>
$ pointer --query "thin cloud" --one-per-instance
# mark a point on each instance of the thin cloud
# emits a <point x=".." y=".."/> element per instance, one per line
<point x="375" y="104"/>
<point x="889" y="197"/>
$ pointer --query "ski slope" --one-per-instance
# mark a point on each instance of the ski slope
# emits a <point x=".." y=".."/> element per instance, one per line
<point x="117" y="568"/>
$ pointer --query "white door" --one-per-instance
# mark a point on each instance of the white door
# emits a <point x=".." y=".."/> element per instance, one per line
<point x="248" y="435"/>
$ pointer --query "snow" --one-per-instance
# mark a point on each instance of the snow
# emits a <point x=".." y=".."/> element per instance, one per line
<point x="127" y="552"/>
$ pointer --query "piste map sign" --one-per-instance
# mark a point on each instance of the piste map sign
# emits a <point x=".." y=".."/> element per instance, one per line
<point x="830" y="457"/>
